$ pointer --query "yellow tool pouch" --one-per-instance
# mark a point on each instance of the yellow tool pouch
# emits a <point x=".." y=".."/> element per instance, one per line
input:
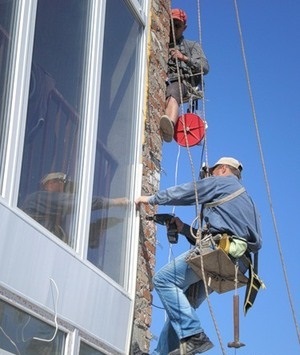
<point x="224" y="243"/>
<point x="233" y="246"/>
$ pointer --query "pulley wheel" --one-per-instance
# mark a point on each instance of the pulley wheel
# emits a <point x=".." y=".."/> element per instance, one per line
<point x="194" y="127"/>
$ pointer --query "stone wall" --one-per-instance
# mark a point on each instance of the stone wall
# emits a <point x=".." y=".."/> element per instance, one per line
<point x="157" y="48"/>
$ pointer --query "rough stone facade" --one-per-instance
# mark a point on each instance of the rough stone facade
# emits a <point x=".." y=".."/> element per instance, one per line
<point x="157" y="49"/>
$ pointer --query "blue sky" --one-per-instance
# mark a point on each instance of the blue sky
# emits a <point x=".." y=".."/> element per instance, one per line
<point x="271" y="33"/>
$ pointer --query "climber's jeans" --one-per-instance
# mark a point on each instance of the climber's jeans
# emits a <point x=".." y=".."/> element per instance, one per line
<point x="170" y="283"/>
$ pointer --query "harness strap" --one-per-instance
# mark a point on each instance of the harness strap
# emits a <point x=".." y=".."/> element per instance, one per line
<point x="253" y="285"/>
<point x="225" y="199"/>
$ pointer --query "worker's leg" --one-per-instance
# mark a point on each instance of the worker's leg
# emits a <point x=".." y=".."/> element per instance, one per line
<point x="168" y="340"/>
<point x="170" y="118"/>
<point x="172" y="109"/>
<point x="171" y="282"/>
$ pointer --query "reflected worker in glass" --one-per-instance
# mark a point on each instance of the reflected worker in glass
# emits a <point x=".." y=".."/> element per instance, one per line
<point x="55" y="201"/>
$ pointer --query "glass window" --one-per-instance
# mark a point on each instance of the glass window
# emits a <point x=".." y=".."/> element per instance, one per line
<point x="88" y="350"/>
<point x="7" y="10"/>
<point x="47" y="190"/>
<point x="115" y="139"/>
<point x="21" y="333"/>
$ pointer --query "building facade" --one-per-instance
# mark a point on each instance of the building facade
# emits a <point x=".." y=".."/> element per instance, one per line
<point x="82" y="89"/>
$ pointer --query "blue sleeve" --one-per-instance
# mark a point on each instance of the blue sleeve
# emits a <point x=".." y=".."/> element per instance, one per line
<point x="185" y="194"/>
<point x="181" y="195"/>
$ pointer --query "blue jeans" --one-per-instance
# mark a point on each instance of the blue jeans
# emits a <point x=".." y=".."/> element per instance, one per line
<point x="171" y="282"/>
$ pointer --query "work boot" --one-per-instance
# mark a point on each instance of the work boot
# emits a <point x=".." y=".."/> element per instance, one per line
<point x="194" y="345"/>
<point x="166" y="128"/>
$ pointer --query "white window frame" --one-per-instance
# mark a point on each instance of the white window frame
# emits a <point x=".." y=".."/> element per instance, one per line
<point x="18" y="92"/>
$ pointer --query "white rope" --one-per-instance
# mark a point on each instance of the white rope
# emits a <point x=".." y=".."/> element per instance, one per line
<point x="203" y="112"/>
<point x="174" y="208"/>
<point x="55" y="317"/>
<point x="197" y="203"/>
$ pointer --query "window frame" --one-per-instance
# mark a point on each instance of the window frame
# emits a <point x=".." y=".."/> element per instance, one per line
<point x="18" y="91"/>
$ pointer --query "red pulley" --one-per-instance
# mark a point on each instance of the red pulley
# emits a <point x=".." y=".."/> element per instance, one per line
<point x="194" y="127"/>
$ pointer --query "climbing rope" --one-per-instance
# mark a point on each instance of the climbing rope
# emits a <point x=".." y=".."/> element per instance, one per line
<point x="205" y="150"/>
<point x="198" y="236"/>
<point x="181" y="96"/>
<point x="265" y="172"/>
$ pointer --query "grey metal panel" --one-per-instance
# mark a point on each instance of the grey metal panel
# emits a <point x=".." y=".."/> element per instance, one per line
<point x="87" y="299"/>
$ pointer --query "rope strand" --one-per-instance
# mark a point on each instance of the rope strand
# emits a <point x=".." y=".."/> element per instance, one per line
<point x="265" y="173"/>
<point x="193" y="168"/>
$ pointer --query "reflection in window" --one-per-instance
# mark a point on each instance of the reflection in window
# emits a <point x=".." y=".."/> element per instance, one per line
<point x="6" y="34"/>
<point x="115" y="138"/>
<point x="21" y="333"/>
<point x="53" y="117"/>
<point x="88" y="350"/>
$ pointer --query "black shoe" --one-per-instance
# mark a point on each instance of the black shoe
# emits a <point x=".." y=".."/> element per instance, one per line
<point x="193" y="345"/>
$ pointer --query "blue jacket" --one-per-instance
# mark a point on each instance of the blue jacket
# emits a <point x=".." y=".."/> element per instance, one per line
<point x="237" y="217"/>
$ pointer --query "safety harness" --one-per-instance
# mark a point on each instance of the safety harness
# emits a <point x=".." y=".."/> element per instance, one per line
<point x="220" y="271"/>
<point x="191" y="80"/>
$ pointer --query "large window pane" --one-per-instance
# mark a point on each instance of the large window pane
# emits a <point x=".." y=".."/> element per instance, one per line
<point x="6" y="34"/>
<point x="21" y="333"/>
<point x="88" y="350"/>
<point x="53" y="124"/>
<point x="115" y="138"/>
